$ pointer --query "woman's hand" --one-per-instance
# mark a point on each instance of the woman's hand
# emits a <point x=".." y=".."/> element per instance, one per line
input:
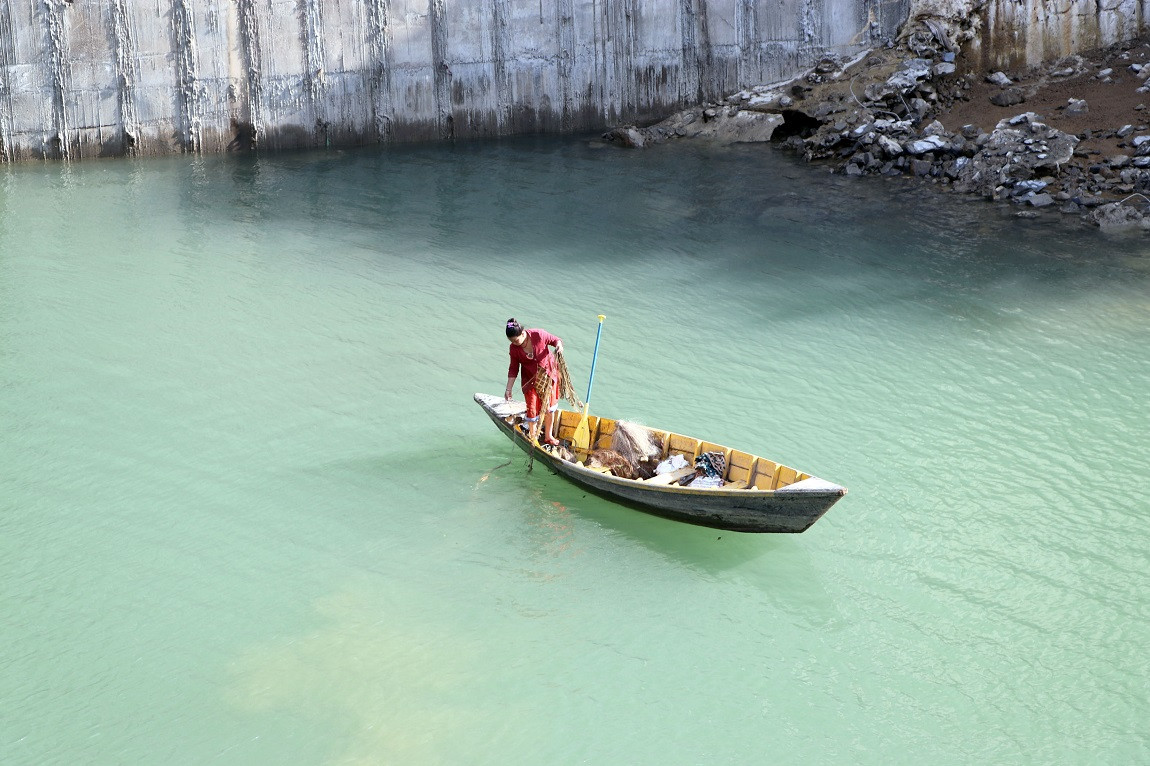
<point x="559" y="347"/>
<point x="507" y="394"/>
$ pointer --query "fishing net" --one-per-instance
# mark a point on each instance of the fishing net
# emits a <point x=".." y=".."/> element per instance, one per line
<point x="566" y="389"/>
<point x="614" y="462"/>
<point x="543" y="388"/>
<point x="639" y="446"/>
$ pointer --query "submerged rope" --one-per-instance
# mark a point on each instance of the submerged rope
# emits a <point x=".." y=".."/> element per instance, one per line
<point x="487" y="475"/>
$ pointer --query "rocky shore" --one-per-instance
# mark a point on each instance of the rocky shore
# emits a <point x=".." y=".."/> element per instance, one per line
<point x="1070" y="138"/>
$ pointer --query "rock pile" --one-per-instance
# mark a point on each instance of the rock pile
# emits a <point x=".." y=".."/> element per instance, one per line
<point x="882" y="114"/>
<point x="1022" y="159"/>
<point x="1011" y="160"/>
<point x="718" y="123"/>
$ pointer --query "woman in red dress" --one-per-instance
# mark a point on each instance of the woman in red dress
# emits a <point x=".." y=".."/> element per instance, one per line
<point x="530" y="351"/>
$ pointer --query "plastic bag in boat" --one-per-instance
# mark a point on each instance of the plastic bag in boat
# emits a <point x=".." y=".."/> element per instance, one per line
<point x="671" y="464"/>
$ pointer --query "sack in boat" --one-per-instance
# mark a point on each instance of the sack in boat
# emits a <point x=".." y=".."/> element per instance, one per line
<point x="671" y="464"/>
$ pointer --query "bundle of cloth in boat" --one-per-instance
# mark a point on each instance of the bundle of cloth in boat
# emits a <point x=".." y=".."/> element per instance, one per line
<point x="709" y="469"/>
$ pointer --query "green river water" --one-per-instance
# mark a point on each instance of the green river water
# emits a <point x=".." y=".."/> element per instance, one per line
<point x="249" y="513"/>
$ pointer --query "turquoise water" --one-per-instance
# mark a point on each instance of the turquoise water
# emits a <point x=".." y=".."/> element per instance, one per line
<point x="250" y="514"/>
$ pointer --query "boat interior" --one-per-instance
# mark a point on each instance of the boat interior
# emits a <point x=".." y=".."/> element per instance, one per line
<point x="743" y="470"/>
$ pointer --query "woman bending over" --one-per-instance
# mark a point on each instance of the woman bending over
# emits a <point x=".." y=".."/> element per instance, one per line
<point x="531" y="352"/>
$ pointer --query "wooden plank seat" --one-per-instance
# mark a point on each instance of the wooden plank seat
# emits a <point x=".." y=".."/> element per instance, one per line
<point x="671" y="477"/>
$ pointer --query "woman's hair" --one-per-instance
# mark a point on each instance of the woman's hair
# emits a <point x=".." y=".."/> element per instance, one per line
<point x="514" y="329"/>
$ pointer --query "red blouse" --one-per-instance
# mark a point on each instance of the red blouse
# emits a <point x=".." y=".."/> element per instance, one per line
<point x="539" y="340"/>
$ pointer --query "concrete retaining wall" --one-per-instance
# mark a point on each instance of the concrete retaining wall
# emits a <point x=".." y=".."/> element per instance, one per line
<point x="1025" y="33"/>
<point x="85" y="78"/>
<point x="1019" y="34"/>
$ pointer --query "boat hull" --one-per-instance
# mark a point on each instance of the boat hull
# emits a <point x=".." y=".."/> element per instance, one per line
<point x="737" y="510"/>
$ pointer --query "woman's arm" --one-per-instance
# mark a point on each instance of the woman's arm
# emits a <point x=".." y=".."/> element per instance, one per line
<point x="552" y="340"/>
<point x="510" y="383"/>
<point x="513" y="367"/>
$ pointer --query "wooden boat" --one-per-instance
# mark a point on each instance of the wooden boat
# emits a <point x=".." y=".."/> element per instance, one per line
<point x="759" y="495"/>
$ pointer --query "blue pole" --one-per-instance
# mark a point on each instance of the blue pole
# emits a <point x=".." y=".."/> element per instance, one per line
<point x="594" y="358"/>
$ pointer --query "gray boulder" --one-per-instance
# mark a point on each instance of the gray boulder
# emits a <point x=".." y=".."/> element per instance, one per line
<point x="628" y="136"/>
<point x="923" y="145"/>
<point x="920" y="167"/>
<point x="1117" y="216"/>
<point x="889" y="146"/>
<point x="936" y="128"/>
<point x="908" y="74"/>
<point x="1008" y="97"/>
<point x="953" y="169"/>
<point x="1077" y="106"/>
<point x="1033" y="185"/>
<point x="743" y="127"/>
